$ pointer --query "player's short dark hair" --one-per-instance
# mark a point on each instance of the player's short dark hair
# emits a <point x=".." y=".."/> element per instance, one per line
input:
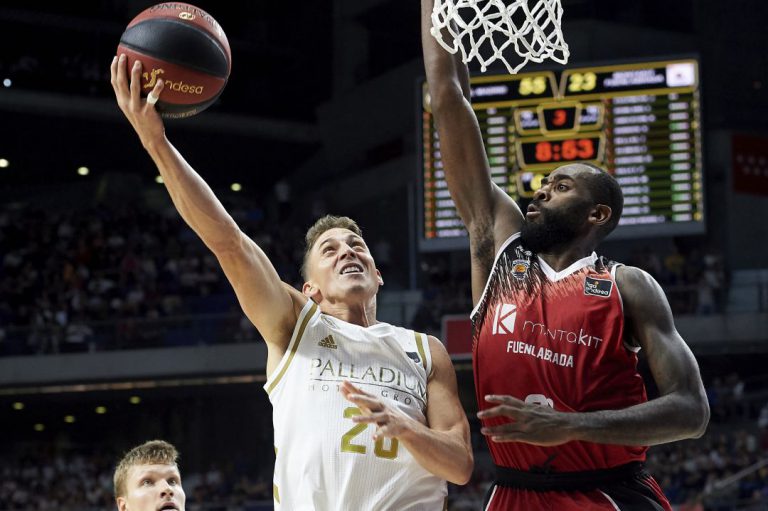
<point x="154" y="452"/>
<point x="326" y="223"/>
<point x="605" y="190"/>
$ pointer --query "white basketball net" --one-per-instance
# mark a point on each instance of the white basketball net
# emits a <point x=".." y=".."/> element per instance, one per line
<point x="531" y="27"/>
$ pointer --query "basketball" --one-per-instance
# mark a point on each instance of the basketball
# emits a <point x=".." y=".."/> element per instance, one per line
<point x="187" y="48"/>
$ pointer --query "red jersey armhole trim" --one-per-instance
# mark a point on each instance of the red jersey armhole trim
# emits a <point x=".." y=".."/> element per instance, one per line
<point x="490" y="274"/>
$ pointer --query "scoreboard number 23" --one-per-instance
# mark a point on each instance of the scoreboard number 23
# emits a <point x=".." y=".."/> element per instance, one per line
<point x="582" y="82"/>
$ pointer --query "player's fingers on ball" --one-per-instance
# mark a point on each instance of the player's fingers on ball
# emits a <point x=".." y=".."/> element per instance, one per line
<point x="113" y="71"/>
<point x="136" y="81"/>
<point x="155" y="93"/>
<point x="121" y="79"/>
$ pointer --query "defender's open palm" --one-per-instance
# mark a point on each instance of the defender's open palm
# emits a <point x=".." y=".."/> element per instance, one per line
<point x="390" y="422"/>
<point x="531" y="423"/>
<point x="140" y="113"/>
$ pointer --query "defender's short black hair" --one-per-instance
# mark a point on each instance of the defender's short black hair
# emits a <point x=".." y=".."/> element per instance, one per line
<point x="605" y="190"/>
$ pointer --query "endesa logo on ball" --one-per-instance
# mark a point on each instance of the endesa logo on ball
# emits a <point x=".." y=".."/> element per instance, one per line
<point x="179" y="86"/>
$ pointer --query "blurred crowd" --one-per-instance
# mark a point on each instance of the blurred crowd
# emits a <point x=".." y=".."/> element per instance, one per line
<point x="695" y="281"/>
<point x="691" y="472"/>
<point x="63" y="275"/>
<point x="120" y="276"/>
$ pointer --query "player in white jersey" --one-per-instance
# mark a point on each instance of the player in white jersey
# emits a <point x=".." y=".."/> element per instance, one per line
<point x="367" y="415"/>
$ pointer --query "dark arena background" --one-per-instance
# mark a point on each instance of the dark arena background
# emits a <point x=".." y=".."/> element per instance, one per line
<point x="117" y="325"/>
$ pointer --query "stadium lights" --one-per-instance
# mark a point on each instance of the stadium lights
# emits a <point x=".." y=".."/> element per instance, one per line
<point x="4" y="163"/>
<point x="101" y="410"/>
<point x="7" y="82"/>
<point x="134" y="400"/>
<point x="18" y="405"/>
<point x="236" y="187"/>
<point x="159" y="179"/>
<point x="39" y="427"/>
<point x="69" y="419"/>
<point x="83" y="171"/>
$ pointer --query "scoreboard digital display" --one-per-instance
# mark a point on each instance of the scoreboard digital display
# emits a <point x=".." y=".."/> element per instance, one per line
<point x="639" y="121"/>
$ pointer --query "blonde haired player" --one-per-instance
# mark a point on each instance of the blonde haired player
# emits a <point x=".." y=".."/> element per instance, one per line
<point x="366" y="414"/>
<point x="148" y="479"/>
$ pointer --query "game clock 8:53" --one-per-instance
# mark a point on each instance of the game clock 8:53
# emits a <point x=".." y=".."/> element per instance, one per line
<point x="546" y="152"/>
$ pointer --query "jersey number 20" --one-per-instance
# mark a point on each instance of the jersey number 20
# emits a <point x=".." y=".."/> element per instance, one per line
<point x="379" y="450"/>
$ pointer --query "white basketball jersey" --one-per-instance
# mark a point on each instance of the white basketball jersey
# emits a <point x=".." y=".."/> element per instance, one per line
<point x="324" y="461"/>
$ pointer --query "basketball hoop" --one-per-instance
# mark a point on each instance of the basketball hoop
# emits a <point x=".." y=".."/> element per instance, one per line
<point x="484" y="30"/>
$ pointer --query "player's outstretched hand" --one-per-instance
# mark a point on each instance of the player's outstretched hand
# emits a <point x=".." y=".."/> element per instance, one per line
<point x="141" y="113"/>
<point x="531" y="423"/>
<point x="390" y="422"/>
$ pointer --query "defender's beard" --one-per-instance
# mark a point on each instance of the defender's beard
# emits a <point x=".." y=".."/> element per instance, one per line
<point x="554" y="228"/>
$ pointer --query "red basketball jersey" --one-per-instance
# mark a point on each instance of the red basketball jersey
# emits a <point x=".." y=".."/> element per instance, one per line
<point x="555" y="339"/>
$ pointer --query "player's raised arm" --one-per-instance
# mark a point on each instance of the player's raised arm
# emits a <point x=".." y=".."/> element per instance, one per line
<point x="489" y="214"/>
<point x="268" y="303"/>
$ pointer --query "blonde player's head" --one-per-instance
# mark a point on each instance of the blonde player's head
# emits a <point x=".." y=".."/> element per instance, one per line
<point x="337" y="262"/>
<point x="148" y="479"/>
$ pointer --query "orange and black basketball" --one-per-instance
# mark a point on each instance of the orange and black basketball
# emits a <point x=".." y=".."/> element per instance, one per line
<point x="187" y="48"/>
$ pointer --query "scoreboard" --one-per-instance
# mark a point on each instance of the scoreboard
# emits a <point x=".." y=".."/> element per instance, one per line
<point x="639" y="121"/>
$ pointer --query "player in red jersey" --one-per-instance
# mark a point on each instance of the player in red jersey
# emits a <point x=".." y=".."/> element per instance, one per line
<point x="557" y="328"/>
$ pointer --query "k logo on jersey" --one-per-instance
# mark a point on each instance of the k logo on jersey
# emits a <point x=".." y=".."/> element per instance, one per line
<point x="504" y="319"/>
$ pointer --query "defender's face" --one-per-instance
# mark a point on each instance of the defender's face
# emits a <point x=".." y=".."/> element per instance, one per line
<point x="153" y="488"/>
<point x="564" y="189"/>
<point x="340" y="265"/>
<point x="560" y="210"/>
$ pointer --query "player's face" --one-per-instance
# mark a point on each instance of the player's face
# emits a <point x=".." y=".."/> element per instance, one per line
<point x="559" y="211"/>
<point x="152" y="488"/>
<point x="341" y="265"/>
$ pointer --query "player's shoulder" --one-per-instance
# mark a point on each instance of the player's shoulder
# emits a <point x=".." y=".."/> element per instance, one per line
<point x="632" y="275"/>
<point x="441" y="360"/>
<point x="436" y="346"/>
<point x="635" y="283"/>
